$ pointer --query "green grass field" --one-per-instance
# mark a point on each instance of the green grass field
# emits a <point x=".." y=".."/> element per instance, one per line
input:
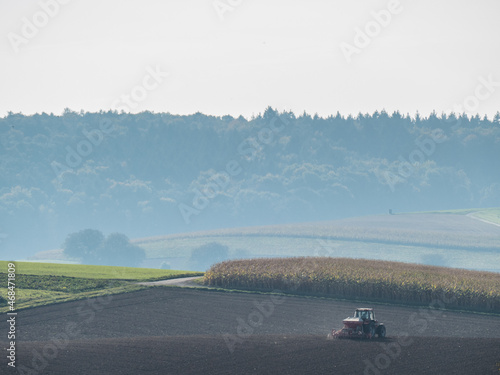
<point x="38" y="284"/>
<point x="492" y="215"/>
<point x="489" y="214"/>
<point x="93" y="272"/>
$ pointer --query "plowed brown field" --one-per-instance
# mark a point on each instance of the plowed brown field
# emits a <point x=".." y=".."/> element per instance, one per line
<point x="168" y="330"/>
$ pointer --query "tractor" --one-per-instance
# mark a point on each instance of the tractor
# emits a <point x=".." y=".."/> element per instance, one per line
<point x="362" y="325"/>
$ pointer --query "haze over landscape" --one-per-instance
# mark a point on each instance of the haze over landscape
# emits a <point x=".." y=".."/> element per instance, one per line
<point x="155" y="174"/>
<point x="181" y="118"/>
<point x="214" y="186"/>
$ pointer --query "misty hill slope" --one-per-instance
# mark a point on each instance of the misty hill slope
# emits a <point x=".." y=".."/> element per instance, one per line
<point x="446" y="230"/>
<point x="445" y="239"/>
<point x="456" y="239"/>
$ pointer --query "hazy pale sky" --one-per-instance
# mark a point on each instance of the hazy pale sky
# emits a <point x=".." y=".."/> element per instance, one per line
<point x="238" y="57"/>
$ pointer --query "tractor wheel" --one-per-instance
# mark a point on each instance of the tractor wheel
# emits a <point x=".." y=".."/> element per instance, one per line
<point x="381" y="332"/>
<point x="369" y="331"/>
<point x="372" y="331"/>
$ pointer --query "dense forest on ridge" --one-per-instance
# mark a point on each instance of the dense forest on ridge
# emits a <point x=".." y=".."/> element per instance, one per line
<point x="158" y="173"/>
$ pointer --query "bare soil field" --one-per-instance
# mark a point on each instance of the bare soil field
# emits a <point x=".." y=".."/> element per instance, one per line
<point x="167" y="330"/>
<point x="270" y="354"/>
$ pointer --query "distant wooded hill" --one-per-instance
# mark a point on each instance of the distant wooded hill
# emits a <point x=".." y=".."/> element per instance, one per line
<point x="158" y="173"/>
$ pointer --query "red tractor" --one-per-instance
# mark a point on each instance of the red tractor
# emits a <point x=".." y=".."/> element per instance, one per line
<point x="362" y="325"/>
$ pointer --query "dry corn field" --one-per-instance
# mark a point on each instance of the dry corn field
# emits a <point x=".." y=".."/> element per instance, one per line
<point x="363" y="279"/>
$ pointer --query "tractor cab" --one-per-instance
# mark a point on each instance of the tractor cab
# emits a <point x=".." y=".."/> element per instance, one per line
<point x="364" y="313"/>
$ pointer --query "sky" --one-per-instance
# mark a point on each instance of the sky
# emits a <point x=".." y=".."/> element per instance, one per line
<point x="237" y="57"/>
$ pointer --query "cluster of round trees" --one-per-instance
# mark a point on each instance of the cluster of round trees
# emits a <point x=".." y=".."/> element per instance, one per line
<point x="91" y="247"/>
<point x="204" y="256"/>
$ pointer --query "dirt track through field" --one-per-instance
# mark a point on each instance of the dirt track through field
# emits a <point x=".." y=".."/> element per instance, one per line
<point x="167" y="330"/>
<point x="182" y="281"/>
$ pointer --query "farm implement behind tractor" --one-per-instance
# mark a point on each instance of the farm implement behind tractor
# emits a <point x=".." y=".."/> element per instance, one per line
<point x="362" y="325"/>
